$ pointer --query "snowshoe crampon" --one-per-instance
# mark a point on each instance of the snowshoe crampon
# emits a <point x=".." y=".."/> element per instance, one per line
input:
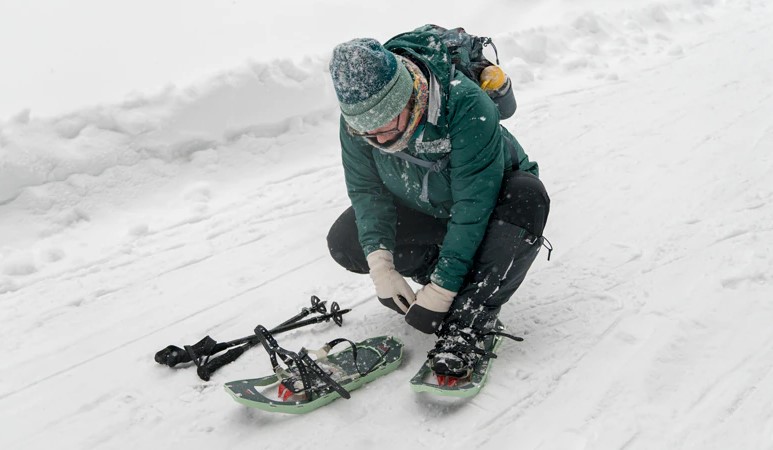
<point x="304" y="383"/>
<point x="426" y="380"/>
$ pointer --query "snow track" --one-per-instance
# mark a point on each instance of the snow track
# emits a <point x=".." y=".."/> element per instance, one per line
<point x="649" y="328"/>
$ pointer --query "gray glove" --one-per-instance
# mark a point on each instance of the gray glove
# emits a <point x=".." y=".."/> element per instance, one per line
<point x="391" y="288"/>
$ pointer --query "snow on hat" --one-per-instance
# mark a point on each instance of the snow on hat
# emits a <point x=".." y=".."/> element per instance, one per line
<point x="372" y="85"/>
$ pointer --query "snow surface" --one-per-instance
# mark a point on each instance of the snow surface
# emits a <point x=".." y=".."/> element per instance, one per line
<point x="203" y="208"/>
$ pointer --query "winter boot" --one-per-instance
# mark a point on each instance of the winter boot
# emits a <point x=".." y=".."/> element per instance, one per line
<point x="457" y="351"/>
<point x="469" y="327"/>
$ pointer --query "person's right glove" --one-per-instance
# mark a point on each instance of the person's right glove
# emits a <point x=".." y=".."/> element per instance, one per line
<point x="432" y="304"/>
<point x="391" y="288"/>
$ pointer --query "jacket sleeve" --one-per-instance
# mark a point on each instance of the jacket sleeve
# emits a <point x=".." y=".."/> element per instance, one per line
<point x="476" y="169"/>
<point x="373" y="204"/>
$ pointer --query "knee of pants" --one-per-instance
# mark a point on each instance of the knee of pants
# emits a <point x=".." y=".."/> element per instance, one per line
<point x="523" y="201"/>
<point x="343" y="244"/>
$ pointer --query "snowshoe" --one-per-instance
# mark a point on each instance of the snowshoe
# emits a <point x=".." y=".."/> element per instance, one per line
<point x="304" y="383"/>
<point x="459" y="364"/>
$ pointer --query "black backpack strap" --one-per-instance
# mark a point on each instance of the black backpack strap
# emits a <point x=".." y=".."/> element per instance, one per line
<point x="487" y="41"/>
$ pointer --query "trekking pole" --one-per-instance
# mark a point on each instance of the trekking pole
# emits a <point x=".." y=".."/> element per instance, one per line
<point x="172" y="355"/>
<point x="317" y="306"/>
<point x="206" y="368"/>
<point x="336" y="314"/>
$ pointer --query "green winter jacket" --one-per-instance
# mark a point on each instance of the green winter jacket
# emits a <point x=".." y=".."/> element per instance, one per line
<point x="461" y="121"/>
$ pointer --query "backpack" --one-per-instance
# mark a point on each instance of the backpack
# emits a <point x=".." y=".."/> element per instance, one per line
<point x="466" y="50"/>
<point x="460" y="51"/>
<point x="466" y="55"/>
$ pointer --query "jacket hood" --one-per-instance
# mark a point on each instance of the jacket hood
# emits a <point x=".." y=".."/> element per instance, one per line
<point x="424" y="47"/>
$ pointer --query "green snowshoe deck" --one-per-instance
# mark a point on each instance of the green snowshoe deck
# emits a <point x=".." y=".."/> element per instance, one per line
<point x="377" y="355"/>
<point x="425" y="379"/>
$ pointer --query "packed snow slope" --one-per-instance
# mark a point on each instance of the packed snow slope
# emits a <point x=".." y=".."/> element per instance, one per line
<point x="127" y="227"/>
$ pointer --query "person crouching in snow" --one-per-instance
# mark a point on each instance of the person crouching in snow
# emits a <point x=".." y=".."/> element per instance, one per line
<point x="440" y="192"/>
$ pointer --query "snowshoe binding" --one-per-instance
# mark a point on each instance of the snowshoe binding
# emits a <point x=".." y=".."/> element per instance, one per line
<point x="460" y="361"/>
<point x="304" y="384"/>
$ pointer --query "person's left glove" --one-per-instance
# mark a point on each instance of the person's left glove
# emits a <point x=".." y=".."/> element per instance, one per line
<point x="429" y="310"/>
<point x="391" y="288"/>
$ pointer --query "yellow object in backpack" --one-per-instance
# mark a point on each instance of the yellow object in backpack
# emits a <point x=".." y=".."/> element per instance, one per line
<point x="492" y="78"/>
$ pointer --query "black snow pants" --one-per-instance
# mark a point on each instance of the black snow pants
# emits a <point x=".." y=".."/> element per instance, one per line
<point x="511" y="243"/>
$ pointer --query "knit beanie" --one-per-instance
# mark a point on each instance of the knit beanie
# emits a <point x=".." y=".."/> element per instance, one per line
<point x="371" y="84"/>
